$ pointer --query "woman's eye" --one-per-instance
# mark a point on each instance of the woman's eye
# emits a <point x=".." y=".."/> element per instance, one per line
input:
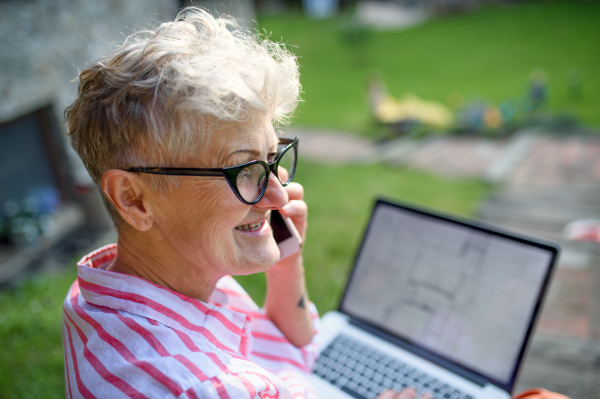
<point x="244" y="174"/>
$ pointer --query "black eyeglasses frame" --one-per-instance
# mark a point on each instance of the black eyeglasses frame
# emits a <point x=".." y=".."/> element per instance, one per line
<point x="230" y="173"/>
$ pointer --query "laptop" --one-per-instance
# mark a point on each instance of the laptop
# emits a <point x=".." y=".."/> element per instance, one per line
<point x="434" y="302"/>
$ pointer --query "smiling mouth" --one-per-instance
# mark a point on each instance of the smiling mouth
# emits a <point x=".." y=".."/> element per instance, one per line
<point x="251" y="226"/>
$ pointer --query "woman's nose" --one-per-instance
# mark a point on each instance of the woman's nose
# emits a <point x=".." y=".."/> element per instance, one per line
<point x="275" y="196"/>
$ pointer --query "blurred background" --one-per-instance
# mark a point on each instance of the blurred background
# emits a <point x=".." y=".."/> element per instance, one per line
<point x="481" y="108"/>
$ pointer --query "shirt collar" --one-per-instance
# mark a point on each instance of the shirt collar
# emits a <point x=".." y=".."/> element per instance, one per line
<point x="138" y="296"/>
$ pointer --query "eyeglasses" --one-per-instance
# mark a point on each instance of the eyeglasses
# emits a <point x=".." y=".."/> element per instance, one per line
<point x="248" y="180"/>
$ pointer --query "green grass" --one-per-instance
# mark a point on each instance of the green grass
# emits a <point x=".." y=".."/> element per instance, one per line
<point x="487" y="54"/>
<point x="339" y="200"/>
<point x="31" y="358"/>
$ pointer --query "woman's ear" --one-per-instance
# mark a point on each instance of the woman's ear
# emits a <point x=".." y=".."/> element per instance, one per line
<point x="126" y="193"/>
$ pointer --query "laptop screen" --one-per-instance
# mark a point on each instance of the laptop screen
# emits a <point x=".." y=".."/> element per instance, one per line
<point x="462" y="292"/>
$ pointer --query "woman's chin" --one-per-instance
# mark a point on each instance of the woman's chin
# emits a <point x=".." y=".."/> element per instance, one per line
<point x="270" y="256"/>
<point x="258" y="257"/>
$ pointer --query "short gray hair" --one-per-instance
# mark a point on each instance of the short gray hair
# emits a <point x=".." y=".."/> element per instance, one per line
<point x="167" y="88"/>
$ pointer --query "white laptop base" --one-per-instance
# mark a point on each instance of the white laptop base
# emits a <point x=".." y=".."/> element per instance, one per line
<point x="335" y="323"/>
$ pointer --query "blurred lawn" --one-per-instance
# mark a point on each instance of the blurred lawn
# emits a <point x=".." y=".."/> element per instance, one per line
<point x="31" y="354"/>
<point x="339" y="200"/>
<point x="488" y="54"/>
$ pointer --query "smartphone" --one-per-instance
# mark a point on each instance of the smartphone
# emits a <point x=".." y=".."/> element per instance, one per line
<point x="286" y="236"/>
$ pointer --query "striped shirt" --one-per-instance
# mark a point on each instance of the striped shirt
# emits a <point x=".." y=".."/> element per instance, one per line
<point x="124" y="336"/>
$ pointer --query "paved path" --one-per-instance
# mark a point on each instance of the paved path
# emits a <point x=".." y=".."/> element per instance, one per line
<point x="556" y="182"/>
<point x="546" y="181"/>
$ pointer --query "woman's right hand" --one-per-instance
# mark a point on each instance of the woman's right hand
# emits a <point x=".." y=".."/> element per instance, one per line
<point x="406" y="393"/>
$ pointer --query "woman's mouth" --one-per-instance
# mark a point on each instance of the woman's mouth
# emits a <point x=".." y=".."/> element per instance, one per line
<point x="251" y="226"/>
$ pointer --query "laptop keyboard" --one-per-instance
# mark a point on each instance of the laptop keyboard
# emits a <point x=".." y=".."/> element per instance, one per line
<point x="364" y="372"/>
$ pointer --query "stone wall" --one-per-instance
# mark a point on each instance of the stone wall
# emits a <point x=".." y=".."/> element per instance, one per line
<point x="45" y="42"/>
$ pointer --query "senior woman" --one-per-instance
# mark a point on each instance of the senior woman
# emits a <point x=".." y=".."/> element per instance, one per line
<point x="176" y="128"/>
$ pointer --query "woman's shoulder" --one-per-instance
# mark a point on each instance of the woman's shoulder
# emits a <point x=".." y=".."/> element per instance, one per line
<point x="108" y="349"/>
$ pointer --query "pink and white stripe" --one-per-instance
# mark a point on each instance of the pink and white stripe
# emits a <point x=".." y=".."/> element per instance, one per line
<point x="124" y="336"/>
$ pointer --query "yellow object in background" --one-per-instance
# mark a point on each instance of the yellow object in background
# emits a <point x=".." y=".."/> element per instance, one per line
<point x="492" y="117"/>
<point x="410" y="107"/>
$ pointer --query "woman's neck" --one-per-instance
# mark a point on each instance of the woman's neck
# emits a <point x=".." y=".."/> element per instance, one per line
<point x="160" y="265"/>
